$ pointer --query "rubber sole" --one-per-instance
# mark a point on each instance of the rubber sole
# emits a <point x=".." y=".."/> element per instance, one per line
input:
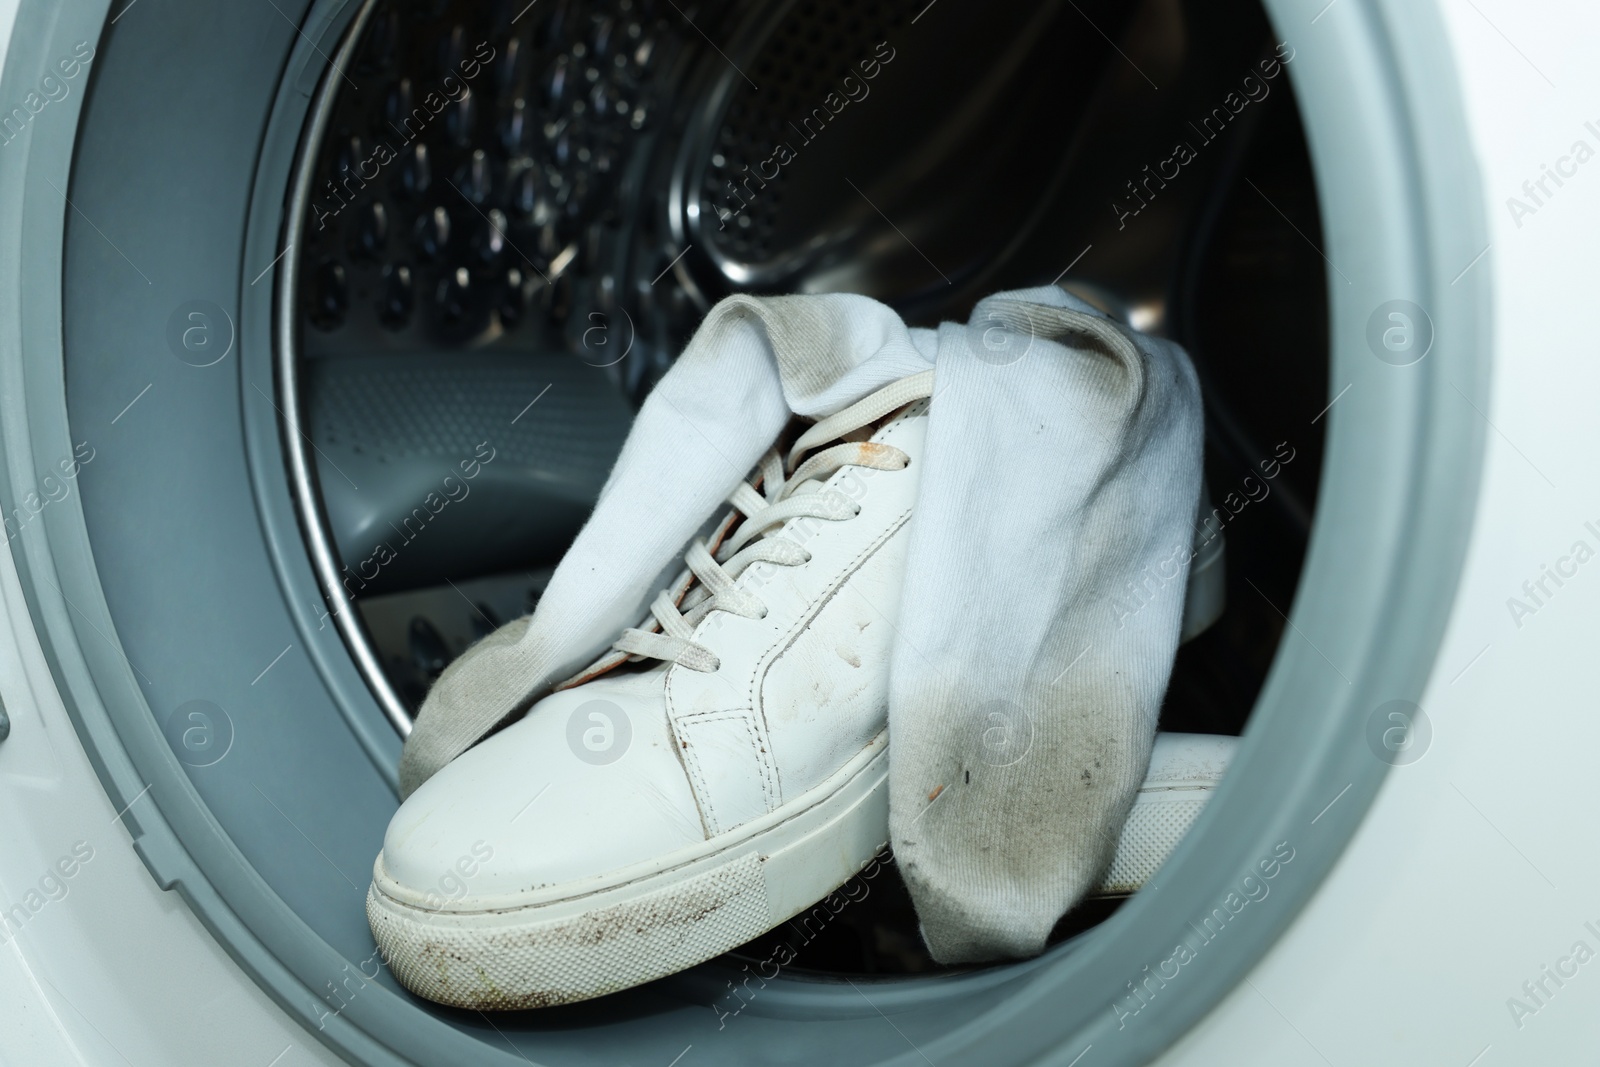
<point x="616" y="936"/>
<point x="613" y="938"/>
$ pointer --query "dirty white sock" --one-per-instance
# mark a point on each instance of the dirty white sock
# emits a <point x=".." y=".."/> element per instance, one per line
<point x="1061" y="474"/>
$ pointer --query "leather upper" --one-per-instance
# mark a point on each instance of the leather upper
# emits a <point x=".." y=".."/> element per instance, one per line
<point x="797" y="694"/>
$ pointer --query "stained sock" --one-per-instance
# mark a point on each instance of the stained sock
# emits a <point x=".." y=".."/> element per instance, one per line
<point x="1041" y="612"/>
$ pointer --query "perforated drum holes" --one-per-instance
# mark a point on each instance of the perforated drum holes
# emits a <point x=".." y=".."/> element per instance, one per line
<point x="200" y="333"/>
<point x="808" y="97"/>
<point x="1399" y="332"/>
<point x="599" y="732"/>
<point x="200" y="732"/>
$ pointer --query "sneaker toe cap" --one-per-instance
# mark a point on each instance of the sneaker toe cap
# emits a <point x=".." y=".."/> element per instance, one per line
<point x="586" y="784"/>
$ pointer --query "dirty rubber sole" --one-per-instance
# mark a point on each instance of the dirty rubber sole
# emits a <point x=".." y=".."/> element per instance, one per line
<point x="588" y="944"/>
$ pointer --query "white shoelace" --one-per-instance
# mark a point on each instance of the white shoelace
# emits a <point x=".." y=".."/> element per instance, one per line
<point x="783" y="489"/>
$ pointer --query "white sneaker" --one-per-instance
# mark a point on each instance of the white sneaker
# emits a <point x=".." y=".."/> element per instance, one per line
<point x="648" y="816"/>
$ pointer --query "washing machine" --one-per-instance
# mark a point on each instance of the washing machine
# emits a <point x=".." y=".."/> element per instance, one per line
<point x="321" y="322"/>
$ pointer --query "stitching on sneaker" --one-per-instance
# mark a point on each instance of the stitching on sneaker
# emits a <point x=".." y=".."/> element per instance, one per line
<point x="783" y="641"/>
<point x="762" y="662"/>
<point x="704" y="794"/>
<point x="772" y="784"/>
<point x="760" y="746"/>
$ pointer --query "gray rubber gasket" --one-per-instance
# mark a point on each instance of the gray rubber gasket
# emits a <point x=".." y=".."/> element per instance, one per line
<point x="1403" y="218"/>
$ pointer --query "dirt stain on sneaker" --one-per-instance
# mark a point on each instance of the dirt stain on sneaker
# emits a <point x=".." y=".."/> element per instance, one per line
<point x="462" y="980"/>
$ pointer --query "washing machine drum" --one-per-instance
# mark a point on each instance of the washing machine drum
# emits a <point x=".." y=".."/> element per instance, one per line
<point x="381" y="298"/>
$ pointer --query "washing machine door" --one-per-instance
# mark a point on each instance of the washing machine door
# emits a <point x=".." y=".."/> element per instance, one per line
<point x="240" y="339"/>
